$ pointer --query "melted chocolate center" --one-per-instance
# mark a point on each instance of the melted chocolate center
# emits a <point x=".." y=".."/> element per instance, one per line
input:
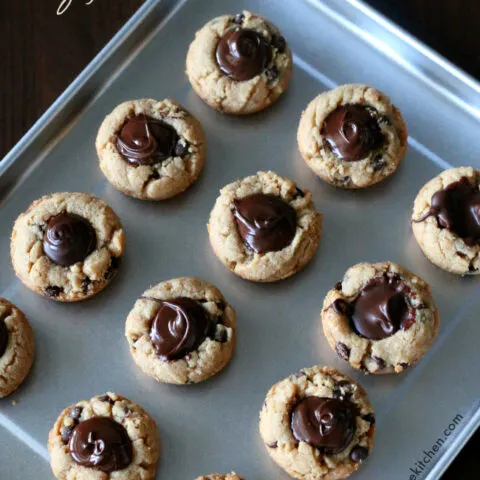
<point x="325" y="423"/>
<point x="180" y="327"/>
<point x="381" y="308"/>
<point x="457" y="208"/>
<point x="101" y="443"/>
<point x="352" y="132"/>
<point x="146" y="141"/>
<point x="266" y="223"/>
<point x="243" y="54"/>
<point x="68" y="239"/>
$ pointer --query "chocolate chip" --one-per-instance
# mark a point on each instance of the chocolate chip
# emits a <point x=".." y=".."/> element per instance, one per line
<point x="341" y="307"/>
<point x="370" y="418"/>
<point x="359" y="453"/>
<point x="66" y="433"/>
<point x="395" y="277"/>
<point x="221" y="335"/>
<point x="346" y="180"/>
<point x="338" y="286"/>
<point x="181" y="149"/>
<point x="153" y="176"/>
<point x="221" y="305"/>
<point x="404" y="365"/>
<point x="338" y="393"/>
<point x="126" y="410"/>
<point x="299" y="193"/>
<point x="461" y="255"/>
<point x="378" y="163"/>
<point x="271" y="73"/>
<point x="53" y="291"/>
<point x="239" y="18"/>
<point x="272" y="445"/>
<point x="343" y="351"/>
<point x="106" y="398"/>
<point x="383" y="120"/>
<point x="111" y="270"/>
<point x="76" y="412"/>
<point x="471" y="268"/>
<point x="85" y="284"/>
<point x="379" y="361"/>
<point x="279" y="43"/>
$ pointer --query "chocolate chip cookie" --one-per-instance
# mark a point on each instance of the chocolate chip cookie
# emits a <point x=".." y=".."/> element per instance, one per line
<point x="151" y="150"/>
<point x="264" y="228"/>
<point x="219" y="476"/>
<point x="239" y="64"/>
<point x="380" y="318"/>
<point x="67" y="246"/>
<point x="317" y="424"/>
<point x="446" y="220"/>
<point x="105" y="437"/>
<point x="181" y="331"/>
<point x="16" y="347"/>
<point x="352" y="136"/>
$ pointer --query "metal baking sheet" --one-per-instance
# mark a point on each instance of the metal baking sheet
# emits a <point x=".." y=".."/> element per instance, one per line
<point x="424" y="416"/>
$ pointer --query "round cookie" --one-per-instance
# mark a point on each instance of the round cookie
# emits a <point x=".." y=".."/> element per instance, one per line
<point x="67" y="246"/>
<point x="219" y="476"/>
<point x="264" y="228"/>
<point x="151" y="150"/>
<point x="317" y="424"/>
<point x="17" y="347"/>
<point x="105" y="437"/>
<point x="352" y="136"/>
<point x="181" y="331"/>
<point x="381" y="318"/>
<point x="239" y="64"/>
<point x="446" y="220"/>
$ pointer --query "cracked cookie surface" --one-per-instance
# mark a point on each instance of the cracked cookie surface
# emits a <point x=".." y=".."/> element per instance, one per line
<point x="357" y="148"/>
<point x="138" y="456"/>
<point x="381" y="318"/>
<point x="264" y="266"/>
<point x="148" y="178"/>
<point x="181" y="331"/>
<point x="219" y="476"/>
<point x="442" y="245"/>
<point x="301" y="459"/>
<point x="96" y="266"/>
<point x="223" y="92"/>
<point x="17" y="347"/>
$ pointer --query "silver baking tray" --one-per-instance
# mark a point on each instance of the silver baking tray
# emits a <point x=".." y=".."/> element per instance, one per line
<point x="424" y="416"/>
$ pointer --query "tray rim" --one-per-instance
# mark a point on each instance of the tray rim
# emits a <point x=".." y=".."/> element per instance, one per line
<point x="465" y="86"/>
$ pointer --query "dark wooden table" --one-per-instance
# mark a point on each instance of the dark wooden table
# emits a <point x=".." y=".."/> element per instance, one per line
<point x="41" y="53"/>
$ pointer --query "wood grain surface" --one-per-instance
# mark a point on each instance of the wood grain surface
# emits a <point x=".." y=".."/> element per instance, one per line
<point x="41" y="53"/>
